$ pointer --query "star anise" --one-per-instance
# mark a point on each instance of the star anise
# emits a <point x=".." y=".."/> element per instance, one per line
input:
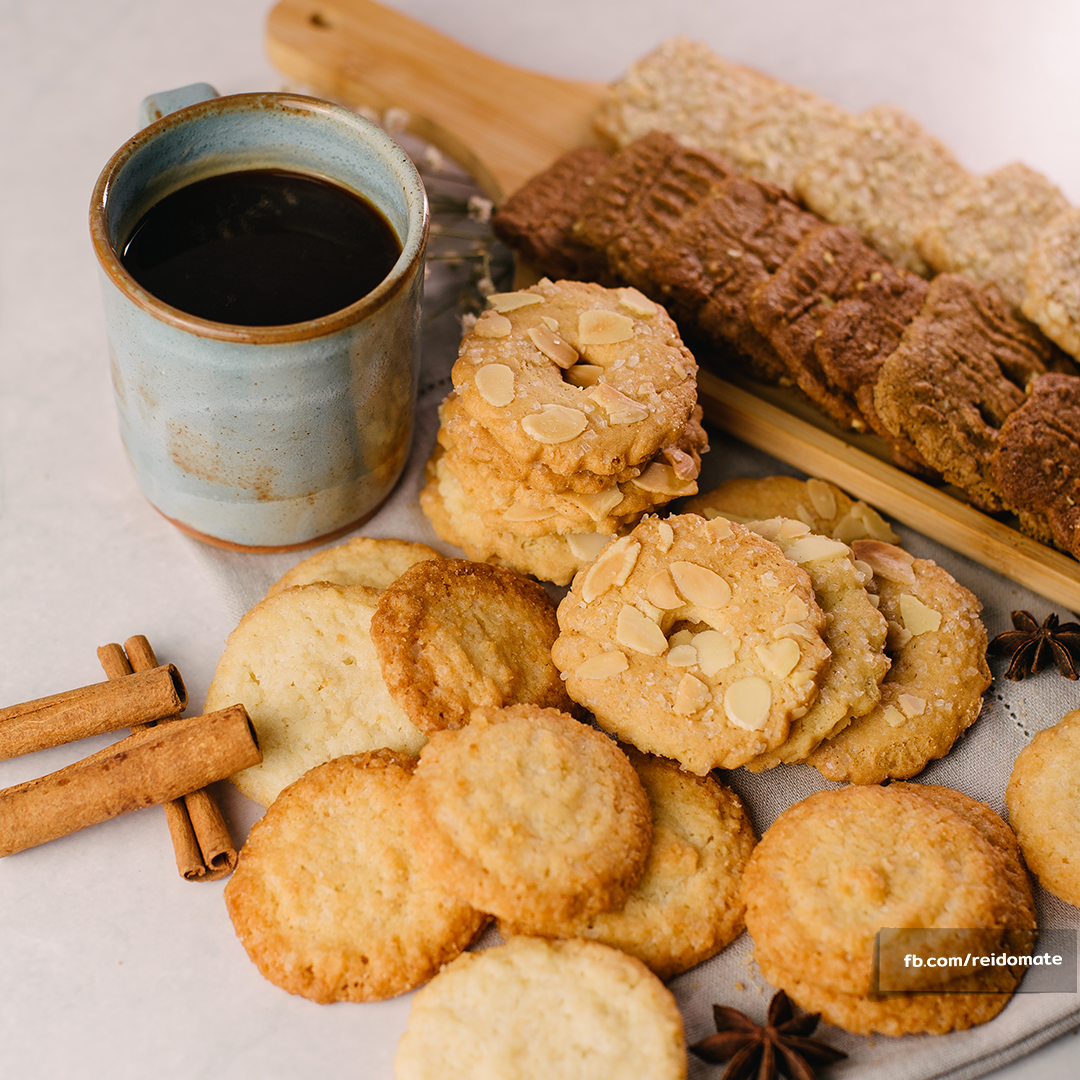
<point x="1032" y="646"/>
<point x="780" y="1045"/>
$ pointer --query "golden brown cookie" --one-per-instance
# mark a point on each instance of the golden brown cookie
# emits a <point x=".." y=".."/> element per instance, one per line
<point x="303" y="664"/>
<point x="686" y="907"/>
<point x="1044" y="806"/>
<point x="933" y="691"/>
<point x="451" y="635"/>
<point x="360" y="561"/>
<point x="527" y="372"/>
<point x="699" y="641"/>
<point x="534" y="1009"/>
<point x="1052" y="281"/>
<point x="530" y="815"/>
<point x="329" y="898"/>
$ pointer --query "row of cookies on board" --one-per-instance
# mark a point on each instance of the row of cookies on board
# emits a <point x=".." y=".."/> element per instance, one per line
<point x="878" y="172"/>
<point x="957" y="385"/>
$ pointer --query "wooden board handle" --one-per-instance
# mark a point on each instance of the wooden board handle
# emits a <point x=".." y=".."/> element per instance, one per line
<point x="501" y="123"/>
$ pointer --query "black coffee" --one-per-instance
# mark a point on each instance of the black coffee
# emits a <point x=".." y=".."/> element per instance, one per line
<point x="263" y="247"/>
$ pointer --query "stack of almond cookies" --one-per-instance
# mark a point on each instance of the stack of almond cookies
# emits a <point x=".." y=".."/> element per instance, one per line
<point x="574" y="413"/>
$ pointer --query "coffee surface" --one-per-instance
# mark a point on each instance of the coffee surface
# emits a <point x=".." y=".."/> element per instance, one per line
<point x="263" y="247"/>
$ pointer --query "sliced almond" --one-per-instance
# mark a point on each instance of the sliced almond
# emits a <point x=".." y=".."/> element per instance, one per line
<point x="886" y="560"/>
<point x="910" y="705"/>
<point x="636" y="302"/>
<point x="638" y="632"/>
<point x="495" y="384"/>
<point x="602" y="666"/>
<point x="767" y="527"/>
<point x="662" y="479"/>
<point x="714" y="650"/>
<point x="918" y="618"/>
<point x="523" y="512"/>
<point x="721" y="528"/>
<point x="586" y="546"/>
<point x="611" y="568"/>
<point x="686" y="468"/>
<point x="747" y="703"/>
<point x="556" y="424"/>
<point x="681" y="637"/>
<point x="815" y="548"/>
<point x="583" y="374"/>
<point x="796" y="610"/>
<point x="620" y="408"/>
<point x="893" y="716"/>
<point x="796" y="629"/>
<point x="700" y="585"/>
<point x="600" y="327"/>
<point x="511" y="301"/>
<point x="550" y="323"/>
<point x="682" y="656"/>
<point x="661" y="591"/>
<point x="492" y="325"/>
<point x="597" y="504"/>
<point x="552" y="346"/>
<point x="691" y="696"/>
<point x="877" y="528"/>
<point x="779" y="657"/>
<point x="665" y="537"/>
<point x="897" y="637"/>
<point x="821" y="498"/>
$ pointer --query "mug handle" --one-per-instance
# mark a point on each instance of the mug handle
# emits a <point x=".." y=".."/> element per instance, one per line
<point x="155" y="106"/>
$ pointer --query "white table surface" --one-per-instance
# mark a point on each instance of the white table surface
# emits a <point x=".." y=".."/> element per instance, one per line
<point x="110" y="965"/>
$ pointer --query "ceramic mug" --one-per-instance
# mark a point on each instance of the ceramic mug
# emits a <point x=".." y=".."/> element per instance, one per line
<point x="262" y="438"/>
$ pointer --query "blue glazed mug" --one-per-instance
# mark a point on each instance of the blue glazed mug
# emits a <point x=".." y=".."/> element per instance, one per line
<point x="262" y="438"/>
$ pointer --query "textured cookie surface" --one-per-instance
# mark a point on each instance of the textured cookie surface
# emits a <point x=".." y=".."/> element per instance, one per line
<point x="1043" y="798"/>
<point x="933" y="690"/>
<point x="303" y="665"/>
<point x="360" y="561"/>
<point x="686" y="907"/>
<point x="329" y="898"/>
<point x="530" y="815"/>
<point x="1052" y="281"/>
<point x="699" y="641"/>
<point x="452" y="634"/>
<point x="533" y="1009"/>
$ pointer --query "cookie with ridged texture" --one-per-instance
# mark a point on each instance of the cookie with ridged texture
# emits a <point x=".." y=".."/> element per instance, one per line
<point x="883" y="175"/>
<point x="987" y="229"/>
<point x="534" y="1009"/>
<point x="530" y="815"/>
<point x="933" y="691"/>
<point x="329" y="898"/>
<point x="686" y="907"/>
<point x="451" y="635"/>
<point x="360" y="561"/>
<point x="527" y="372"/>
<point x="1043" y="801"/>
<point x="680" y="640"/>
<point x="303" y="665"/>
<point x="823" y="506"/>
<point x="1052" y="281"/>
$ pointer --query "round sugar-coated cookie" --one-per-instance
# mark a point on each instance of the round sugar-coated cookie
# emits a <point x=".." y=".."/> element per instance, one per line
<point x="698" y="641"/>
<point x="933" y="690"/>
<point x="452" y="634"/>
<point x="533" y="1009"/>
<point x="360" y="561"/>
<point x="303" y="664"/>
<point x="817" y="503"/>
<point x="1052" y="281"/>
<point x="530" y="815"/>
<point x="855" y="634"/>
<point x="838" y="866"/>
<point x="686" y="907"/>
<point x="577" y="377"/>
<point x="1043" y="798"/>
<point x="329" y="898"/>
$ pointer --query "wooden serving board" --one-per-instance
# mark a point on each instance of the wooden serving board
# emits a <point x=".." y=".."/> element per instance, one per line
<point x="505" y="124"/>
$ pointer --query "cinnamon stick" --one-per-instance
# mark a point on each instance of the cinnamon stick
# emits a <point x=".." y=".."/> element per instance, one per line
<point x="91" y="710"/>
<point x="150" y="766"/>
<point x="189" y="858"/>
<point x="217" y="851"/>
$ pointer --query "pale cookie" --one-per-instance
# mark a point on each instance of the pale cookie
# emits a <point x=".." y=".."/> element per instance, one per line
<point x="329" y="898"/>
<point x="835" y="868"/>
<point x="534" y="1010"/>
<point x="1043" y="798"/>
<point x="686" y="907"/>
<point x="987" y="228"/>
<point x="817" y="503"/>
<point x="933" y="691"/>
<point x="303" y="665"/>
<point x="455" y="520"/>
<point x="855" y="634"/>
<point x="699" y="641"/>
<point x="451" y="635"/>
<point x="1052" y="281"/>
<point x="527" y="372"/>
<point x="530" y="815"/>
<point x="360" y="561"/>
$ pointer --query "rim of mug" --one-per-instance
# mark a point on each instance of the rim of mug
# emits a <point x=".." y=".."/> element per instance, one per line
<point x="412" y="247"/>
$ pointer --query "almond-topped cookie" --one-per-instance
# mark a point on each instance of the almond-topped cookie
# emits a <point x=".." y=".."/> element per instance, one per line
<point x="699" y="641"/>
